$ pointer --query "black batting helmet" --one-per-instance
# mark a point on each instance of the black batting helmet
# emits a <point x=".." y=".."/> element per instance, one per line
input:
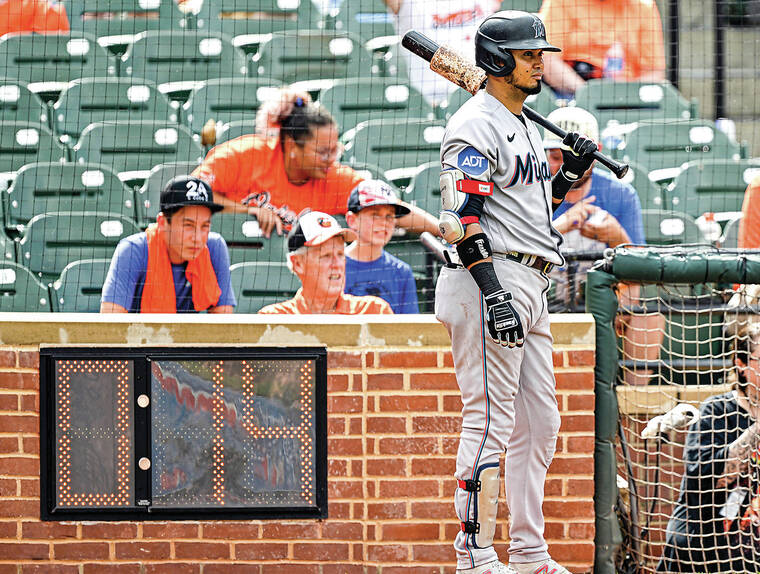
<point x="504" y="31"/>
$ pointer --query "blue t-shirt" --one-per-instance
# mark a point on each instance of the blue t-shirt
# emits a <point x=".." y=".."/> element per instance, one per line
<point x="386" y="277"/>
<point x="616" y="198"/>
<point x="126" y="276"/>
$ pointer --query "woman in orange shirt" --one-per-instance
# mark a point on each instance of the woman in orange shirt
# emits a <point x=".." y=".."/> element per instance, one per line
<point x="288" y="166"/>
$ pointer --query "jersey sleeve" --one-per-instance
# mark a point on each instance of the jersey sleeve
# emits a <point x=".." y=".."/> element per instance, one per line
<point x="220" y="259"/>
<point x="128" y="266"/>
<point x="466" y="146"/>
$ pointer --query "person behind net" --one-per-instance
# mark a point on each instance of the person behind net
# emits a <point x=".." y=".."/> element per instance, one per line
<point x="289" y="165"/>
<point x="316" y="254"/>
<point x="715" y="525"/>
<point x="33" y="16"/>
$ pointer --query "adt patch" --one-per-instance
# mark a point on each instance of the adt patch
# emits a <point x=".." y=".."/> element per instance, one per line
<point x="472" y="162"/>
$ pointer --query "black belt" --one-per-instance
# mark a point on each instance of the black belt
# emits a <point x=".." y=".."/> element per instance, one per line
<point x="533" y="261"/>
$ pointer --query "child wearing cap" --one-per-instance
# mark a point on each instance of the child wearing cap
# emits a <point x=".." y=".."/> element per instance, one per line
<point x="316" y="254"/>
<point x="177" y="265"/>
<point x="370" y="270"/>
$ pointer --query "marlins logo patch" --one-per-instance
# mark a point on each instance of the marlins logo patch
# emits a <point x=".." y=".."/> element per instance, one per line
<point x="472" y="162"/>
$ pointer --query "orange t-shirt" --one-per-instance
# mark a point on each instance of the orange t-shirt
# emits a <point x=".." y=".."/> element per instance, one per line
<point x="347" y="305"/>
<point x="251" y="169"/>
<point x="587" y="29"/>
<point x="38" y="16"/>
<point x="749" y="225"/>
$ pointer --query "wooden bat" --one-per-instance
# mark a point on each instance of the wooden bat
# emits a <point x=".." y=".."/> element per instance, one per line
<point x="466" y="75"/>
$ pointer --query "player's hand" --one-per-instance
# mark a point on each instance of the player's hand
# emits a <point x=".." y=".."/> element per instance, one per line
<point x="577" y="160"/>
<point x="504" y="323"/>
<point x="268" y="220"/>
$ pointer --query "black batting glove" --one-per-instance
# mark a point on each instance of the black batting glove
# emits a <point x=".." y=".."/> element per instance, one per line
<point x="577" y="160"/>
<point x="504" y="325"/>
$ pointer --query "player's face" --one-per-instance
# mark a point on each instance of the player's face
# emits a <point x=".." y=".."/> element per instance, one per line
<point x="319" y="151"/>
<point x="187" y="233"/>
<point x="529" y="69"/>
<point x="375" y="224"/>
<point x="323" y="267"/>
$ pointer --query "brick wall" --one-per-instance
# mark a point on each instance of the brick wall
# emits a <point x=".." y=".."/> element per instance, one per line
<point x="393" y="422"/>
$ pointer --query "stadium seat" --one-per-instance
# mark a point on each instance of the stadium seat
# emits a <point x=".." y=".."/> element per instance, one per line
<point x="626" y="102"/>
<point x="543" y="103"/>
<point x="245" y="241"/>
<point x="650" y="194"/>
<point x="26" y="142"/>
<point x="132" y="149"/>
<point x="359" y="99"/>
<point x="670" y="143"/>
<point x="234" y="130"/>
<point x="387" y="59"/>
<point x="50" y="61"/>
<point x="258" y="284"/>
<point x="53" y="240"/>
<point x="148" y="197"/>
<point x="711" y="186"/>
<point x="226" y="100"/>
<point x="367" y="18"/>
<point x="663" y="227"/>
<point x="524" y="5"/>
<point x="19" y="103"/>
<point x="45" y="187"/>
<point x="90" y="100"/>
<point x="424" y="189"/>
<point x="730" y="237"/>
<point x="20" y="291"/>
<point x="397" y="147"/>
<point x="79" y="286"/>
<point x="297" y="55"/>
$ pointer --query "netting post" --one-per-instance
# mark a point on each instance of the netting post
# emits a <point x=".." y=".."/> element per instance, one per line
<point x="602" y="303"/>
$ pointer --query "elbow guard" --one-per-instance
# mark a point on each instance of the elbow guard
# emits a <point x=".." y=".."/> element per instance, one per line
<point x="461" y="201"/>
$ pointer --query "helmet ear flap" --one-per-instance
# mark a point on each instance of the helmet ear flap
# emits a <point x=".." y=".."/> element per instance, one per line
<point x="509" y="62"/>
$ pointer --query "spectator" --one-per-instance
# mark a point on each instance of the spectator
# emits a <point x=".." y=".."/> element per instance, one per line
<point x="177" y="265"/>
<point x="288" y="166"/>
<point x="448" y="23"/>
<point x="714" y="522"/>
<point x="616" y="39"/>
<point x="749" y="225"/>
<point x="316" y="254"/>
<point x="40" y="16"/>
<point x="370" y="270"/>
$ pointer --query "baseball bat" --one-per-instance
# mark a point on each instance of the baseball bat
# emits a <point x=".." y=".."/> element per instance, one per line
<point x="466" y="75"/>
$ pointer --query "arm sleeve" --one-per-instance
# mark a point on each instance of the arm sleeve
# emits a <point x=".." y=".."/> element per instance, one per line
<point x="220" y="259"/>
<point x="128" y="266"/>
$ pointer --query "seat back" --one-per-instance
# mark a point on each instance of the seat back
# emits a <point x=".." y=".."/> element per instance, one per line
<point x="53" y="240"/>
<point x="424" y="189"/>
<point x="226" y="100"/>
<point x="358" y="99"/>
<point x="263" y="283"/>
<point x="49" y="187"/>
<point x="20" y="291"/>
<point x="663" y="227"/>
<point x="80" y="286"/>
<point x="119" y="17"/>
<point x="148" y="197"/>
<point x="730" y="237"/>
<point x="27" y="142"/>
<point x="258" y="17"/>
<point x="19" y="103"/>
<point x="91" y="100"/>
<point x="245" y="241"/>
<point x="366" y="18"/>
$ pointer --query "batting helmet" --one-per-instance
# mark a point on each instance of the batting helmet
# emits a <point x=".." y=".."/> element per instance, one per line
<point x="504" y="31"/>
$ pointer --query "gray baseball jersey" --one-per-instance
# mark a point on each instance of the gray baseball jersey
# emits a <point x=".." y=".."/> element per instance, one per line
<point x="489" y="143"/>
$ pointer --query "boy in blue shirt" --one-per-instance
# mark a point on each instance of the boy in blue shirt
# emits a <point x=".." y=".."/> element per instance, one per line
<point x="372" y="212"/>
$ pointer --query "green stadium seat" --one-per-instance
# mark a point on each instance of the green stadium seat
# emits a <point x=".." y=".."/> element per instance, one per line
<point x="258" y="284"/>
<point x="524" y="5"/>
<point x="20" y="291"/>
<point x="650" y="194"/>
<point x="730" y="237"/>
<point x="234" y="130"/>
<point x="53" y="240"/>
<point x="148" y="197"/>
<point x="245" y="241"/>
<point x="359" y="99"/>
<point x="387" y="60"/>
<point x="397" y="147"/>
<point x="47" y="187"/>
<point x="544" y="102"/>
<point x="125" y="100"/>
<point x="711" y="186"/>
<point x="79" y="286"/>
<point x="424" y="189"/>
<point x="132" y="149"/>
<point x="48" y="62"/>
<point x="19" y="103"/>
<point x="663" y="227"/>
<point x="298" y="55"/>
<point x="367" y="18"/>
<point x="26" y="142"/>
<point x="226" y="100"/>
<point x="670" y="143"/>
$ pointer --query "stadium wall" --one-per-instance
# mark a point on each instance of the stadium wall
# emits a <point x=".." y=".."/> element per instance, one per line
<point x="393" y="423"/>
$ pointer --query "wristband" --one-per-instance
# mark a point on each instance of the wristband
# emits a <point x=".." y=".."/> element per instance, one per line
<point x="473" y="249"/>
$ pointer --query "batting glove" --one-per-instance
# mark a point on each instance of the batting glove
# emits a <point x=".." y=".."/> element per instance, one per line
<point x="504" y="325"/>
<point x="577" y="160"/>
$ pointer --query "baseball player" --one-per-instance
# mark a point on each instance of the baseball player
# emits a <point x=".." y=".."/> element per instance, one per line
<point x="497" y="201"/>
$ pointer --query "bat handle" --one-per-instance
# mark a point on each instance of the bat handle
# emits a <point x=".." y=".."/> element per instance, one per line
<point x="619" y="169"/>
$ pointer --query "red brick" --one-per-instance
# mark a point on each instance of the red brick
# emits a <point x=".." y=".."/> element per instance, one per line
<point x="569" y="508"/>
<point x="19" y="381"/>
<point x="580" y="487"/>
<point x="437" y="424"/>
<point x="9" y="444"/>
<point x="290" y="530"/>
<point x="112" y="568"/>
<point x="388" y="552"/>
<point x="287" y="568"/>
<point x="344" y="404"/>
<point x="231" y="530"/>
<point x="433" y="553"/>
<point x="448" y="359"/>
<point x="48" y="569"/>
<point x="386" y="425"/>
<point x="109" y="530"/>
<point x="29" y="359"/>
<point x="260" y="551"/>
<point x="8" y="487"/>
<point x="452" y="404"/>
<point x="8" y="529"/>
<point x="355" y="426"/>
<point x="142" y="550"/>
<point x="572" y="551"/>
<point x="407" y="445"/>
<point x="80" y="550"/>
<point x="385" y="381"/>
<point x="228" y="568"/>
<point x="581" y="531"/>
<point x="434" y="466"/>
<point x="558" y="358"/>
<point x="416" y="488"/>
<point x="7" y="358"/>
<point x="406" y="359"/>
<point x="339" y="509"/>
<point x="581" y="358"/>
<point x="30" y="488"/>
<point x="410" y="531"/>
<point x="553" y="487"/>
<point x="344" y="489"/>
<point x="386" y="510"/>
<point x="20" y="508"/>
<point x="342" y="530"/>
<point x="433" y="509"/>
<point x="580" y="444"/>
<point x="343" y="569"/>
<point x="19" y="466"/>
<point x="583" y="402"/>
<point x="30" y="444"/>
<point x="575" y="381"/>
<point x="566" y="465"/>
<point x="433" y="381"/>
<point x="408" y="403"/>
<point x="172" y="568"/>
<point x="554" y="530"/>
<point x="19" y="423"/>
<point x="577" y="423"/>
<point x="449" y="445"/>
<point x="325" y="551"/>
<point x="24" y="551"/>
<point x="337" y="467"/>
<point x="202" y="550"/>
<point x="9" y="402"/>
<point x="386" y="467"/>
<point x="170" y="530"/>
<point x="336" y="425"/>
<point x="344" y="360"/>
<point x="8" y="569"/>
<point x="58" y="530"/>
<point x="344" y="446"/>
<point x="408" y="570"/>
<point x="357" y="468"/>
<point x="30" y="403"/>
<point x="337" y="383"/>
